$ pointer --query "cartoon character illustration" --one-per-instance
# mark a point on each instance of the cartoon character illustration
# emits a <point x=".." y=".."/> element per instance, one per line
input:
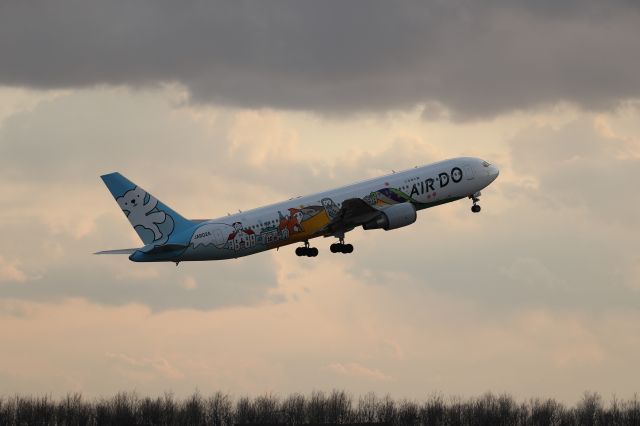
<point x="371" y="199"/>
<point x="330" y="207"/>
<point x="241" y="238"/>
<point x="139" y="206"/>
<point x="387" y="196"/>
<point x="291" y="224"/>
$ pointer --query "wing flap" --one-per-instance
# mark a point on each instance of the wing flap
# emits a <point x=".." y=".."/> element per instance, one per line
<point x="354" y="212"/>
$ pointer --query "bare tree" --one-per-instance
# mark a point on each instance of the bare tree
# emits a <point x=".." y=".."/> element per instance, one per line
<point x="338" y="408"/>
<point x="219" y="410"/>
<point x="293" y="408"/>
<point x="266" y="409"/>
<point x="316" y="408"/>
<point x="589" y="410"/>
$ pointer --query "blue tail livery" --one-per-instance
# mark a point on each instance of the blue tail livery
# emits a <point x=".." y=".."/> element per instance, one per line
<point x="155" y="222"/>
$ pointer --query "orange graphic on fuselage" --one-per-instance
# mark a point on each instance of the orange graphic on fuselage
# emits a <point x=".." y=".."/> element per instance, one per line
<point x="292" y="223"/>
<point x="302" y="223"/>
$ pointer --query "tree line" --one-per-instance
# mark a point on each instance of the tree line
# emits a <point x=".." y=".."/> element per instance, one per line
<point x="318" y="408"/>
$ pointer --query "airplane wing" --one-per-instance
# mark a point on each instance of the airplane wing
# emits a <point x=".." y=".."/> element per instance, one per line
<point x="354" y="212"/>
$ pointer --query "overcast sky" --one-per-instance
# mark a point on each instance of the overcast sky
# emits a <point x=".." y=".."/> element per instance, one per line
<point x="219" y="107"/>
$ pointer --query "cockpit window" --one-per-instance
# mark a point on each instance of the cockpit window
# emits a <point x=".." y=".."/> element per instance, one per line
<point x="484" y="163"/>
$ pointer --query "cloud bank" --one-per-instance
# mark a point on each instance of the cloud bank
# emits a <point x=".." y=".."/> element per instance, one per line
<point x="466" y="59"/>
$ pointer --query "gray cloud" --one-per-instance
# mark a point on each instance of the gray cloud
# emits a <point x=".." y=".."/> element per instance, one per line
<point x="475" y="60"/>
<point x="52" y="157"/>
<point x="578" y="168"/>
<point x="98" y="131"/>
<point x="551" y="264"/>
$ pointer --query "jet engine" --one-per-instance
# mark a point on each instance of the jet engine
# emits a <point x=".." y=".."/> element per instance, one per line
<point x="393" y="217"/>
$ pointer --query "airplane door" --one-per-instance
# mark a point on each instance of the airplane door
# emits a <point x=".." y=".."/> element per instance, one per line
<point x="468" y="172"/>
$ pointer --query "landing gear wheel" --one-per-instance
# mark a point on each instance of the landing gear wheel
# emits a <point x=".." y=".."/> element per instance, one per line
<point x="341" y="247"/>
<point x="475" y="198"/>
<point x="306" y="250"/>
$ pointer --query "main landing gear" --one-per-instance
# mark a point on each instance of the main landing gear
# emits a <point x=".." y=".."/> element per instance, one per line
<point x="306" y="250"/>
<point x="475" y="197"/>
<point x="341" y="247"/>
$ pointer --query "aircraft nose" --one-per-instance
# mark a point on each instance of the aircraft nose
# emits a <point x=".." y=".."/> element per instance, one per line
<point x="492" y="173"/>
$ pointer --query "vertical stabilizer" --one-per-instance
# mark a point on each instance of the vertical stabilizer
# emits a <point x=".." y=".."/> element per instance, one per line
<point x="153" y="220"/>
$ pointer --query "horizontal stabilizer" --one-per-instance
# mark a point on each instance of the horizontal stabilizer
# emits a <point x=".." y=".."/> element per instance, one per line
<point x="119" y="251"/>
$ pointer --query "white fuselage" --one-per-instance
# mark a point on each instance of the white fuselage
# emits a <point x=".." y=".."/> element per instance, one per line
<point x="303" y="218"/>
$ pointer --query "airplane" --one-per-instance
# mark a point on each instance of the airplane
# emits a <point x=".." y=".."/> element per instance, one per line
<point x="387" y="202"/>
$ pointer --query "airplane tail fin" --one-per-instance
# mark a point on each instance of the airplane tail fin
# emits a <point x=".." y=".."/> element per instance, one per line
<point x="153" y="220"/>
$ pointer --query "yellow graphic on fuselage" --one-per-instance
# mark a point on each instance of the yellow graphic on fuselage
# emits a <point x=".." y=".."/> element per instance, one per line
<point x="302" y="223"/>
<point x="314" y="223"/>
<point x="305" y="222"/>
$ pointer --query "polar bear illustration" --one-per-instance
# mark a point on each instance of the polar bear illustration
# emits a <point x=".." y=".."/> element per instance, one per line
<point x="140" y="213"/>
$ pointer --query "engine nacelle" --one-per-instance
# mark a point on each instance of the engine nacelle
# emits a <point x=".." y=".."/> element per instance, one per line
<point x="393" y="217"/>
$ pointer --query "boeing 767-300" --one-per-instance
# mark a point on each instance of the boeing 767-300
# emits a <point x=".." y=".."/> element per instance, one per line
<point x="387" y="202"/>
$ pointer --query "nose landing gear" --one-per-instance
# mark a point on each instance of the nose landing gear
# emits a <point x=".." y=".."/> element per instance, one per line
<point x="341" y="247"/>
<point x="476" y="207"/>
<point x="306" y="250"/>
